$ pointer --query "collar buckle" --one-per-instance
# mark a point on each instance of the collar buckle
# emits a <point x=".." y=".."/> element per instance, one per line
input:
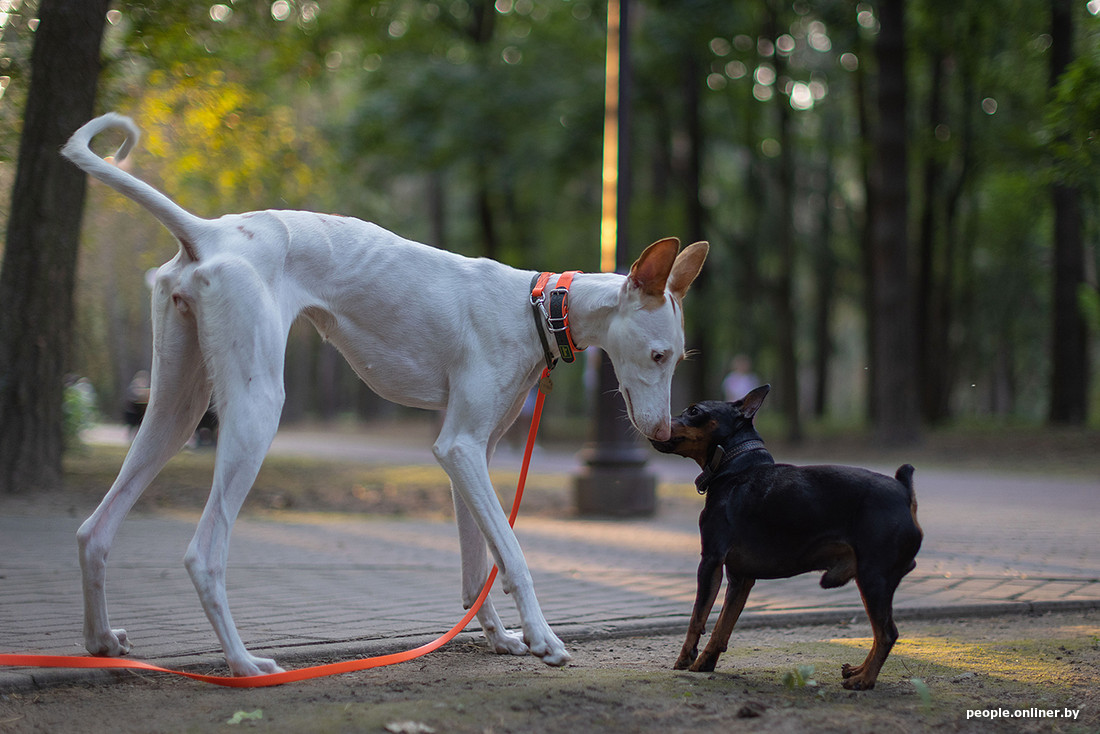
<point x="559" y="322"/>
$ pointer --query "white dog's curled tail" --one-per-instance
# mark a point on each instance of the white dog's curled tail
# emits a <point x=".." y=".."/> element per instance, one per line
<point x="181" y="223"/>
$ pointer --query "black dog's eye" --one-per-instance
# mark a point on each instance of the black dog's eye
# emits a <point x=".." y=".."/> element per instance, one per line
<point x="693" y="411"/>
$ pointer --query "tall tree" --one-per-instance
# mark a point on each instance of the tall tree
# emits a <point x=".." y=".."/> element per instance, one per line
<point x="784" y="309"/>
<point x="893" y="339"/>
<point x="825" y="264"/>
<point x="38" y="275"/>
<point x="954" y="43"/>
<point x="1069" y="339"/>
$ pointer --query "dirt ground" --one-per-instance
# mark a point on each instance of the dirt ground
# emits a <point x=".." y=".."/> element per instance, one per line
<point x="1003" y="674"/>
<point x="943" y="676"/>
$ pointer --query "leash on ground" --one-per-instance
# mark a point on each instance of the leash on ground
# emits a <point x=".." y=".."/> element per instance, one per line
<point x="317" y="671"/>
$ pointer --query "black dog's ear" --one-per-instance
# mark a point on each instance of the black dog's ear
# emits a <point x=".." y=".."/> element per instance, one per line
<point x="752" y="402"/>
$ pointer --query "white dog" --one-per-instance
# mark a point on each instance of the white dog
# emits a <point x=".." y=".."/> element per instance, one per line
<point x="421" y="326"/>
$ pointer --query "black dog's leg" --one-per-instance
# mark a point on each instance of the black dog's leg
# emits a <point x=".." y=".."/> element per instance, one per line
<point x="709" y="582"/>
<point x="737" y="593"/>
<point x="877" y="591"/>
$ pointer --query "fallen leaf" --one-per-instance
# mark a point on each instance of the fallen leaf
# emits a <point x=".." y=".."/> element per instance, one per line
<point x="409" y="727"/>
<point x="246" y="716"/>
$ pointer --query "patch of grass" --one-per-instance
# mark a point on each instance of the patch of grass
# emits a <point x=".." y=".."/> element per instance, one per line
<point x="1064" y="451"/>
<point x="308" y="485"/>
<point x="1017" y="661"/>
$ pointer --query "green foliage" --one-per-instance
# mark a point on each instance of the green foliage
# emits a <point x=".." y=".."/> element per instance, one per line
<point x="504" y="106"/>
<point x="78" y="409"/>
<point x="476" y="125"/>
<point x="1073" y="122"/>
<point x="924" y="692"/>
<point x="800" y="677"/>
<point x="1089" y="299"/>
<point x="193" y="119"/>
<point x="16" y="42"/>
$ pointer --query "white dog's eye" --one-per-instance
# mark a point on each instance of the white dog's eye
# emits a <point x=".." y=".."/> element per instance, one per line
<point x="660" y="357"/>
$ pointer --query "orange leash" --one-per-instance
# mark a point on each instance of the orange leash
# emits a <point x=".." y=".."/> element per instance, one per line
<point x="317" y="671"/>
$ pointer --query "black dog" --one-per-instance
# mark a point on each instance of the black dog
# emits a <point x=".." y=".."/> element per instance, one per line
<point x="764" y="520"/>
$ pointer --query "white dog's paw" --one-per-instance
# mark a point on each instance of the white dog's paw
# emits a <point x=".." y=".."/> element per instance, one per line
<point x="504" y="642"/>
<point x="251" y="665"/>
<point x="111" y="644"/>
<point x="551" y="651"/>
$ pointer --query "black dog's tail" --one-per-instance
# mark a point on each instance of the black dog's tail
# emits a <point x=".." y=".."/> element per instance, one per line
<point x="904" y="475"/>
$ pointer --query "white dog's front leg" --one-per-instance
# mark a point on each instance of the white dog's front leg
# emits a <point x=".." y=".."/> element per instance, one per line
<point x="475" y="569"/>
<point x="465" y="461"/>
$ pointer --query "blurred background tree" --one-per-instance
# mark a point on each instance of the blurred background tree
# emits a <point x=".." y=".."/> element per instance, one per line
<point x="38" y="275"/>
<point x="475" y="125"/>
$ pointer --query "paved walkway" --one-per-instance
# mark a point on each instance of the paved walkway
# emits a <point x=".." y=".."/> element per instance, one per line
<point x="308" y="588"/>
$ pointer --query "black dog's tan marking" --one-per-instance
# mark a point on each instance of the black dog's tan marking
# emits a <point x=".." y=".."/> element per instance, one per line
<point x="694" y="442"/>
<point x="763" y="520"/>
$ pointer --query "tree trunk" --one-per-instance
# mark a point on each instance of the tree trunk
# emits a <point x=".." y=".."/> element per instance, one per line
<point x="825" y="267"/>
<point x="870" y="209"/>
<point x="699" y="338"/>
<point x="1069" y="355"/>
<point x="437" y="209"/>
<point x="785" y="326"/>
<point x="894" y="400"/>
<point x="36" y="283"/>
<point x="931" y="286"/>
<point x="486" y="214"/>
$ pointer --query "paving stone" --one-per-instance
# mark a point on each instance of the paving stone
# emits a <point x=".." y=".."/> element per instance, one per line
<point x="328" y="585"/>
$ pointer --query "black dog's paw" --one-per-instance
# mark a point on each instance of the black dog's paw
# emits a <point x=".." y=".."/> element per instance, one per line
<point x="687" y="656"/>
<point x="856" y="678"/>
<point x="858" y="684"/>
<point x="704" y="663"/>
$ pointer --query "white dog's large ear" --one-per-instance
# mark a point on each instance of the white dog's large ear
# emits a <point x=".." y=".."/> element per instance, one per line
<point x="687" y="267"/>
<point x="650" y="272"/>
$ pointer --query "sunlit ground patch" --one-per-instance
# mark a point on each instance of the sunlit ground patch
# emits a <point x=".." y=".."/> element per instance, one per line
<point x="1021" y="661"/>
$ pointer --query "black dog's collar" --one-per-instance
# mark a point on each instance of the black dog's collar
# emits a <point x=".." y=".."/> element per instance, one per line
<point x="721" y="458"/>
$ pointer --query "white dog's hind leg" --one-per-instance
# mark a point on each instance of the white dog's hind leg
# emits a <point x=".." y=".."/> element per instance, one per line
<point x="244" y="335"/>
<point x="242" y="444"/>
<point x="179" y="395"/>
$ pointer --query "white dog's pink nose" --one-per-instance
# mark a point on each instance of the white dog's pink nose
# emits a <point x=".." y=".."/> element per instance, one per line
<point x="661" y="429"/>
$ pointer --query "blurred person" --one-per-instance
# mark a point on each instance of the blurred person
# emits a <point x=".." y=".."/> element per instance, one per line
<point x="740" y="381"/>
